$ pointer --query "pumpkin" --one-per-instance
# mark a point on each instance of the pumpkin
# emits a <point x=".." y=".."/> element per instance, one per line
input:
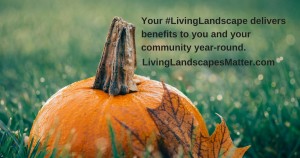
<point x="117" y="111"/>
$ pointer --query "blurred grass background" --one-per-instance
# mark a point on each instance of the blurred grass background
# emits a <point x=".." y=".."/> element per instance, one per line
<point x="45" y="45"/>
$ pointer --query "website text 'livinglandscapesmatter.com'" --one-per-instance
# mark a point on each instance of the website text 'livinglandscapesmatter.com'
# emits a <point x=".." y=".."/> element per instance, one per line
<point x="208" y="62"/>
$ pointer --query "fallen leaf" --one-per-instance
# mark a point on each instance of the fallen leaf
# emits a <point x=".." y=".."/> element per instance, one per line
<point x="175" y="123"/>
<point x="219" y="144"/>
<point x="179" y="130"/>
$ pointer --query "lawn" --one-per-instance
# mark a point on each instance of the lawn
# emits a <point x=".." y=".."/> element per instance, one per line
<point x="47" y="45"/>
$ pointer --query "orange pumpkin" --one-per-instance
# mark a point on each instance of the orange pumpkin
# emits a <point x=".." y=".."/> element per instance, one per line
<point x="77" y="118"/>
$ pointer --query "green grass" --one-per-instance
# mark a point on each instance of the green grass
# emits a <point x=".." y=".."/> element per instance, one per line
<point x="47" y="45"/>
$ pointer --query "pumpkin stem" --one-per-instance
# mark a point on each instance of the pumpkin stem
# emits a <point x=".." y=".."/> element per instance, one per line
<point x="116" y="68"/>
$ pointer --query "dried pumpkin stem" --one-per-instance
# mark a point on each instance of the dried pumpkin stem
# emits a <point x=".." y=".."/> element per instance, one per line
<point x="116" y="68"/>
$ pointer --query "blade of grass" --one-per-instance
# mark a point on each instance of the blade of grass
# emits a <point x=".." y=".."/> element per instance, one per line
<point x="9" y="133"/>
<point x="113" y="141"/>
<point x="34" y="152"/>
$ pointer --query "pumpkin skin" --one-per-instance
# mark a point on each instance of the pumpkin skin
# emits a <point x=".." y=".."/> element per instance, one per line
<point x="77" y="118"/>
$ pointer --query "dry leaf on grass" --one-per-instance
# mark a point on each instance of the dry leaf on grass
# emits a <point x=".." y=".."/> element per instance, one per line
<point x="180" y="130"/>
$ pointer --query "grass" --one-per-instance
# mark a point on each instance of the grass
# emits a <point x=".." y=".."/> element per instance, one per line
<point x="47" y="45"/>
